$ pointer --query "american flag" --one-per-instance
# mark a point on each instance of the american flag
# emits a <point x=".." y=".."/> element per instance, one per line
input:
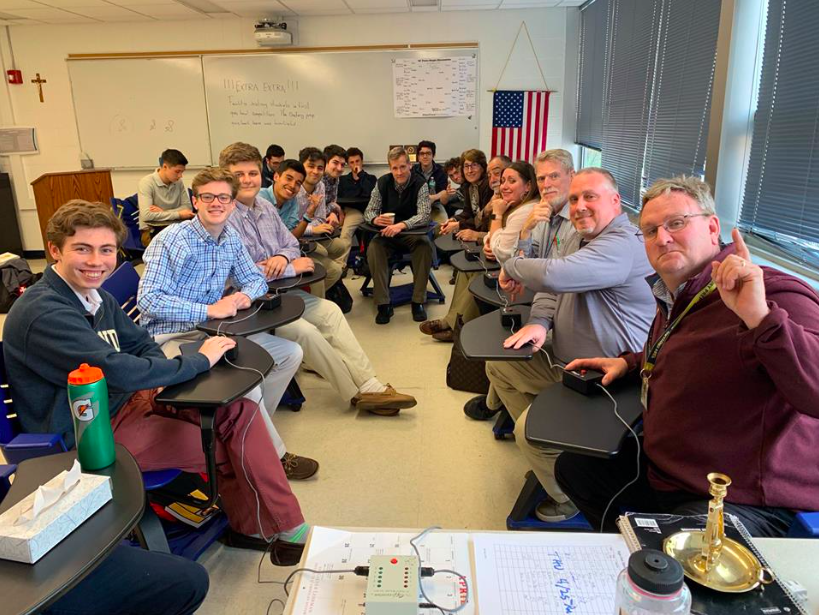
<point x="519" y="124"/>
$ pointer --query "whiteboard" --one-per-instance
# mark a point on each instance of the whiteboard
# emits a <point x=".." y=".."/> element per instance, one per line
<point x="129" y="110"/>
<point x="318" y="98"/>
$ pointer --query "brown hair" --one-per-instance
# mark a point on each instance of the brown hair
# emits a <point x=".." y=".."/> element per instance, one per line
<point x="476" y="156"/>
<point x="215" y="174"/>
<point x="82" y="214"/>
<point x="527" y="173"/>
<point x="239" y="152"/>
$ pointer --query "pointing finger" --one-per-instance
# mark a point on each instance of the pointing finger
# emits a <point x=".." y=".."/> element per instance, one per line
<point x="741" y="249"/>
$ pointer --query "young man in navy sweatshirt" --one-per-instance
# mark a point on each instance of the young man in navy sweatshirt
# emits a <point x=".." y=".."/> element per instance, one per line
<point x="66" y="319"/>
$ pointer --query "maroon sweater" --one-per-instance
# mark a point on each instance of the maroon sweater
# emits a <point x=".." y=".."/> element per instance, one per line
<point x="727" y="399"/>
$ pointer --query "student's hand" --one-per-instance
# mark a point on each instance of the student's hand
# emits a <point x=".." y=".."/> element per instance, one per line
<point x="155" y="209"/>
<point x="242" y="301"/>
<point x="499" y="206"/>
<point x="214" y="347"/>
<point x="741" y="284"/>
<point x="613" y="368"/>
<point x="542" y="212"/>
<point x="273" y="267"/>
<point x="323" y="229"/>
<point x="224" y="308"/>
<point x="303" y="264"/>
<point x="450" y="226"/>
<point x="450" y="190"/>
<point x="487" y="250"/>
<point x="383" y="220"/>
<point x="393" y="229"/>
<point x="333" y="220"/>
<point x="536" y="334"/>
<point x="314" y="201"/>
<point x="509" y="285"/>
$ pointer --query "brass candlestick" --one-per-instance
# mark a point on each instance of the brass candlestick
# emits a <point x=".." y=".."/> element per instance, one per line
<point x="711" y="559"/>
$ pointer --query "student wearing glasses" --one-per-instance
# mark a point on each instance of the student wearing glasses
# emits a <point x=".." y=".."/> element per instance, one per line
<point x="435" y="176"/>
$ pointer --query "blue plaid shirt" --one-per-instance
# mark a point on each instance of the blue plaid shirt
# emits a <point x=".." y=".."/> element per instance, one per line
<point x="186" y="270"/>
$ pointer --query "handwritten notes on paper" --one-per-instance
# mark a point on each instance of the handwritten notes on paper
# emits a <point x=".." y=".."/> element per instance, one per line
<point x="265" y="104"/>
<point x="548" y="574"/>
<point x="434" y="87"/>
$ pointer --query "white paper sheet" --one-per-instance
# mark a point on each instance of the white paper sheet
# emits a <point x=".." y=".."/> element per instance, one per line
<point x="434" y="87"/>
<point x="548" y="574"/>
<point x="343" y="593"/>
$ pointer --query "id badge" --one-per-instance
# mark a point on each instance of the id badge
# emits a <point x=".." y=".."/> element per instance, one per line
<point x="644" y="393"/>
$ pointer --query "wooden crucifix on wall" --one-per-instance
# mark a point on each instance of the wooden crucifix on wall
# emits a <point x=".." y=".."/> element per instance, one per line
<point x="40" y="81"/>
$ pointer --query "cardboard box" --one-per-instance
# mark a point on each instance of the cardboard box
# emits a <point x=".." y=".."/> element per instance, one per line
<point x="28" y="541"/>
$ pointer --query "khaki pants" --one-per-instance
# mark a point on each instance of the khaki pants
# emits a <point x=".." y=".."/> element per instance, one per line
<point x="463" y="302"/>
<point x="517" y="383"/>
<point x="378" y="254"/>
<point x="352" y="220"/>
<point x="328" y="254"/>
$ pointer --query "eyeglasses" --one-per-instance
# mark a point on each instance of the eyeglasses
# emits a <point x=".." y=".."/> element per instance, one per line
<point x="207" y="197"/>
<point x="673" y="224"/>
<point x="468" y="166"/>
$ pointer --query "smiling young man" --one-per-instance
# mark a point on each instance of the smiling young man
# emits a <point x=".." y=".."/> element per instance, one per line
<point x="163" y="198"/>
<point x="187" y="268"/>
<point x="66" y="319"/>
<point x="592" y="294"/>
<point x="732" y="388"/>
<point x="329" y="346"/>
<point x="405" y="198"/>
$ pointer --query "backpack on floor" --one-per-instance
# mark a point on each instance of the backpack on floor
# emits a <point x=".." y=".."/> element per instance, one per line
<point x="15" y="278"/>
<point x="463" y="374"/>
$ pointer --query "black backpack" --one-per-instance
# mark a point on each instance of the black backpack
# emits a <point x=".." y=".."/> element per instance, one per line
<point x="16" y="277"/>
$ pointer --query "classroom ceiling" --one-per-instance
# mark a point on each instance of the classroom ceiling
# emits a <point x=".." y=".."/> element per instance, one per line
<point x="34" y="12"/>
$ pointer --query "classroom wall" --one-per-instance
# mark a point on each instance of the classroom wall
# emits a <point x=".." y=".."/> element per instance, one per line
<point x="43" y="49"/>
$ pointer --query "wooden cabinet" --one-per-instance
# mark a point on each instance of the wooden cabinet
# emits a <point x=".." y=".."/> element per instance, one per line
<point x="53" y="190"/>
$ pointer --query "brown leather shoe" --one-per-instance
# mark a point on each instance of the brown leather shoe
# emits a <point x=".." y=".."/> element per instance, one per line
<point x="299" y="468"/>
<point x="386" y="403"/>
<point x="431" y="327"/>
<point x="444" y="336"/>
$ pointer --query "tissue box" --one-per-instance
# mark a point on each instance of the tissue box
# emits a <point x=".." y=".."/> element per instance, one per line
<point x="28" y="542"/>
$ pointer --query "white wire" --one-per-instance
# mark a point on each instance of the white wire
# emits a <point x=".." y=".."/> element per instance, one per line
<point x="637" y="440"/>
<point x="420" y="583"/>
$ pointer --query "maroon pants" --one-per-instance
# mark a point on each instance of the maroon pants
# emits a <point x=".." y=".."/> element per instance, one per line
<point x="160" y="437"/>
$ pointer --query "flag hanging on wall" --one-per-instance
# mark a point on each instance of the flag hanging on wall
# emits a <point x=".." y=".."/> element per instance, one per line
<point x="519" y="122"/>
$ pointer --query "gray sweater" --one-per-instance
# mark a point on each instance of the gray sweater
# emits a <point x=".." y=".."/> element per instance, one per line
<point x="594" y="296"/>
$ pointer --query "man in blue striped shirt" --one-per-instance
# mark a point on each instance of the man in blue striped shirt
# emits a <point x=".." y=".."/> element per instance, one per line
<point x="187" y="268"/>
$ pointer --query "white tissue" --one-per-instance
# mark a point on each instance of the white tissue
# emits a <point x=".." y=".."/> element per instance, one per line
<point x="46" y="497"/>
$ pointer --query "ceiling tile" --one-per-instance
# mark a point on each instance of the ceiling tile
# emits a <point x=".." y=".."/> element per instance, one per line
<point x="379" y="10"/>
<point x="49" y="15"/>
<point x="18" y="4"/>
<point x="426" y="9"/>
<point x="110" y="13"/>
<point x="25" y="22"/>
<point x="528" y="4"/>
<point x="317" y="7"/>
<point x="167" y="11"/>
<point x="469" y="7"/>
<point x="130" y="3"/>
<point x="373" y="4"/>
<point x="70" y="4"/>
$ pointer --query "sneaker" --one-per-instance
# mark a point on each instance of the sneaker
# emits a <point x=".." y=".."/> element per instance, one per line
<point x="444" y="336"/>
<point x="431" y="327"/>
<point x="386" y="403"/>
<point x="550" y="511"/>
<point x="299" y="468"/>
<point x="283" y="553"/>
<point x="384" y="314"/>
<point x="419" y="314"/>
<point x="477" y="409"/>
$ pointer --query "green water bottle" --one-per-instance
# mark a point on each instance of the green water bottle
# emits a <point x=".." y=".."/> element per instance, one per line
<point x="88" y="398"/>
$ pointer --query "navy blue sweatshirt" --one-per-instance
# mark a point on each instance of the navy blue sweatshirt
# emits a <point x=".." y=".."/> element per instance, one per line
<point x="48" y="333"/>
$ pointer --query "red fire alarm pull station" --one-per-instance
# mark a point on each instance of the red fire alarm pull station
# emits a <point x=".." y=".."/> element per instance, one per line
<point x="15" y="76"/>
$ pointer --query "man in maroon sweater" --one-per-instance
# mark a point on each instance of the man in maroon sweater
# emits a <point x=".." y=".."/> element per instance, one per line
<point x="734" y="388"/>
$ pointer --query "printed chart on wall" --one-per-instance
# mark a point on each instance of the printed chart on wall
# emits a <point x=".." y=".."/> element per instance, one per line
<point x="548" y="574"/>
<point x="434" y="87"/>
<point x="343" y="593"/>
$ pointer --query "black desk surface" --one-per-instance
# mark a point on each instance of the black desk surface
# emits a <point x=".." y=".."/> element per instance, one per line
<point x="285" y="284"/>
<point x="336" y="232"/>
<point x="448" y="243"/>
<point x="28" y="588"/>
<point x="490" y="295"/>
<point x="482" y="338"/>
<point x="459" y="262"/>
<point x="570" y="421"/>
<point x="370" y="228"/>
<point x="223" y="383"/>
<point x="291" y="309"/>
<point x="307" y="246"/>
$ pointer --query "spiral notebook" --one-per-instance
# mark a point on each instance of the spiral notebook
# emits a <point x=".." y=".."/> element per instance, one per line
<point x="647" y="531"/>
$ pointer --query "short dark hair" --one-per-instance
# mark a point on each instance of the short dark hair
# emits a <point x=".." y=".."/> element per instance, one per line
<point x="274" y="150"/>
<point x="313" y="154"/>
<point x="290" y="163"/>
<point x="506" y="160"/>
<point x="332" y="151"/>
<point x="428" y="144"/>
<point x="77" y="214"/>
<point x="216" y="174"/>
<point x="452" y="163"/>
<point x="173" y="158"/>
<point x="354" y="151"/>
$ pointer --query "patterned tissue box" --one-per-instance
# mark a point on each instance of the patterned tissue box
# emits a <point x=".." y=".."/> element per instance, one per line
<point x="28" y="539"/>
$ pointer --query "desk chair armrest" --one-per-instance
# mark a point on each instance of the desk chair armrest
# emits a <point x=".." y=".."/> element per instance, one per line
<point x="805" y="525"/>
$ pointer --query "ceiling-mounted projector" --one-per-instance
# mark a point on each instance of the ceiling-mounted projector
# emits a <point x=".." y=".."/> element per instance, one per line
<point x="271" y="34"/>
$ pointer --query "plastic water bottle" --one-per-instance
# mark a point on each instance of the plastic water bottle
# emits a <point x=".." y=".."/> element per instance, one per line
<point x="652" y="584"/>
<point x="88" y="399"/>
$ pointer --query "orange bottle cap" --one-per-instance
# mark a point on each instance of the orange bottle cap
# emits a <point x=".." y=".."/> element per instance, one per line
<point x="85" y="374"/>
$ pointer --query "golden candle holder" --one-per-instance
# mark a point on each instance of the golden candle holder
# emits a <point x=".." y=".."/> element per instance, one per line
<point x="711" y="559"/>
